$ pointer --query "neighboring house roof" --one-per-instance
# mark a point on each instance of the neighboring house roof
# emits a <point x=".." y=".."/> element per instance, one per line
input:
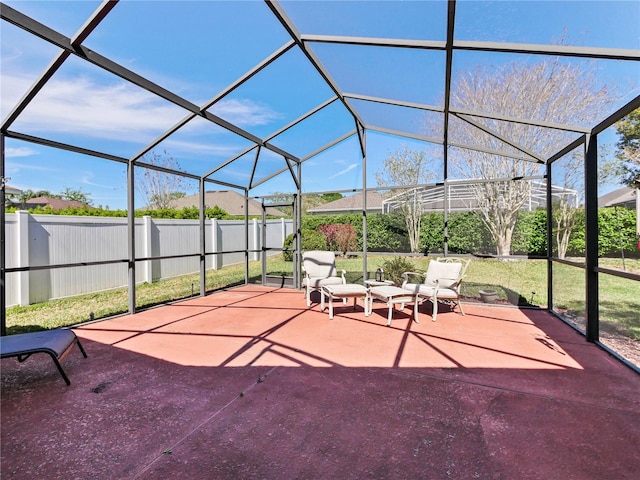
<point x="228" y="200"/>
<point x="9" y="190"/>
<point x="53" y="203"/>
<point x="622" y="197"/>
<point x="351" y="204"/>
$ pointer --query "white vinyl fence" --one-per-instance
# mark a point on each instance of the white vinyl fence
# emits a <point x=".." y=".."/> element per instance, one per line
<point x="40" y="240"/>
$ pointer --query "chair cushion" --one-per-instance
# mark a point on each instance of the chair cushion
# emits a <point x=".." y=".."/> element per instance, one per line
<point x="317" y="282"/>
<point x="414" y="288"/>
<point x="427" y="291"/>
<point x="446" y="274"/>
<point x="318" y="263"/>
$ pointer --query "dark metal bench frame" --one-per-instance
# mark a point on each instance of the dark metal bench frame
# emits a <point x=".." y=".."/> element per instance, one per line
<point x="56" y="343"/>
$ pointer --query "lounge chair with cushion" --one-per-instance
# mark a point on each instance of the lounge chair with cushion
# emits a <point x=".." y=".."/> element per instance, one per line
<point x="319" y="270"/>
<point x="441" y="283"/>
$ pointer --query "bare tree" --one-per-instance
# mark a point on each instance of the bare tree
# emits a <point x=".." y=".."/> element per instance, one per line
<point x="406" y="169"/>
<point x="565" y="209"/>
<point x="548" y="91"/>
<point x="159" y="187"/>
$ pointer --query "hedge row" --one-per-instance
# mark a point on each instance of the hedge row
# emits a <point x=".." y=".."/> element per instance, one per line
<point x="468" y="234"/>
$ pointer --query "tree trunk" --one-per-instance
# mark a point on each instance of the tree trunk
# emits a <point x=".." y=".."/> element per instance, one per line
<point x="503" y="242"/>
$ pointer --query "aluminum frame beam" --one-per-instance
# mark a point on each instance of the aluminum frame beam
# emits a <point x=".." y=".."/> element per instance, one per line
<point x="498" y="47"/>
<point x="44" y="32"/>
<point x="258" y="68"/>
<point x="92" y="22"/>
<point x="502" y="138"/>
<point x="289" y="26"/>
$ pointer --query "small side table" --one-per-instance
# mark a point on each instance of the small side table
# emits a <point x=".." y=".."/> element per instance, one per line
<point x="350" y="290"/>
<point x="391" y="295"/>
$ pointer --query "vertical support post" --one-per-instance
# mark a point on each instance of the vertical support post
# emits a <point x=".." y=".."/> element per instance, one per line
<point x="148" y="249"/>
<point x="131" y="240"/>
<point x="451" y="16"/>
<point x="297" y="215"/>
<point x="638" y="212"/>
<point x="3" y="233"/>
<point x="445" y="213"/>
<point x="203" y="240"/>
<point x="365" y="268"/>
<point x="264" y="244"/>
<point x="246" y="237"/>
<point x="22" y="245"/>
<point x="591" y="237"/>
<point x="549" y="238"/>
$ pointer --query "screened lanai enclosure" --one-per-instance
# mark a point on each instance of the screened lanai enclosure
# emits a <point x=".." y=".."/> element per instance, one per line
<point x="484" y="127"/>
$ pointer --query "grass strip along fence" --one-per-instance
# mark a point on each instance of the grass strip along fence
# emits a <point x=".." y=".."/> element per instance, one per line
<point x="518" y="282"/>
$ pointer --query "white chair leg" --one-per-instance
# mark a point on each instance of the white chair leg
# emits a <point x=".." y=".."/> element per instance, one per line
<point x="460" y="306"/>
<point x="415" y="310"/>
<point x="435" y="309"/>
<point x="308" y="296"/>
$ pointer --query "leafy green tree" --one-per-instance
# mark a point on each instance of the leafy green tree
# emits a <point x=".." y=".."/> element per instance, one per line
<point x="76" y="195"/>
<point x="628" y="149"/>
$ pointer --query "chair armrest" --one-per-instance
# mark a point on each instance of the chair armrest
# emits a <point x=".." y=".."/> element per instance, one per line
<point x="406" y="276"/>
<point x="344" y="280"/>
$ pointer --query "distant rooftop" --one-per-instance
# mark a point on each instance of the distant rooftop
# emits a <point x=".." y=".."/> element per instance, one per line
<point x="228" y="200"/>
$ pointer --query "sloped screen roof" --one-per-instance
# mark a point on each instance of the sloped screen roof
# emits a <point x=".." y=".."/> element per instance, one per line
<point x="241" y="92"/>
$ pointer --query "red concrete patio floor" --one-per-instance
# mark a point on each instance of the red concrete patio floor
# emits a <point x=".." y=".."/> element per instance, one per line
<point x="250" y="383"/>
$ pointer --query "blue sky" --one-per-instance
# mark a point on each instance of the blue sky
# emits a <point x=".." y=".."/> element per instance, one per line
<point x="198" y="48"/>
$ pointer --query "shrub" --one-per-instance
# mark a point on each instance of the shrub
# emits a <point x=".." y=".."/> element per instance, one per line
<point x="469" y="234"/>
<point x="386" y="233"/>
<point x="394" y="268"/>
<point x="311" y="240"/>
<point x="340" y="237"/>
<point x="432" y="233"/>
<point x="530" y="233"/>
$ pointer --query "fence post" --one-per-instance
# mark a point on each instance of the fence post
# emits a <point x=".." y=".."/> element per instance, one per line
<point x="256" y="239"/>
<point x="22" y="245"/>
<point x="147" y="271"/>
<point x="283" y="230"/>
<point x="214" y="242"/>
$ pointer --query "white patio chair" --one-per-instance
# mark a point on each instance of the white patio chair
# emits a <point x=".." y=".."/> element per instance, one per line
<point x="319" y="269"/>
<point x="441" y="282"/>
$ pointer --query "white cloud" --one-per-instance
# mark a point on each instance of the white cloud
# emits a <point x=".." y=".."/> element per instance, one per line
<point x="346" y="170"/>
<point x="224" y="150"/>
<point x="87" y="179"/>
<point x="19" y="152"/>
<point x="115" y="111"/>
<point x="82" y="107"/>
<point x="244" y="113"/>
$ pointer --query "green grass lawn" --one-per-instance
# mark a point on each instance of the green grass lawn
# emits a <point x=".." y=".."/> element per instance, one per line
<point x="518" y="282"/>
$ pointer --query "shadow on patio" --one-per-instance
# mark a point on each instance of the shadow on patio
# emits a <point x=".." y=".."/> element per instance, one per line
<point x="249" y="383"/>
